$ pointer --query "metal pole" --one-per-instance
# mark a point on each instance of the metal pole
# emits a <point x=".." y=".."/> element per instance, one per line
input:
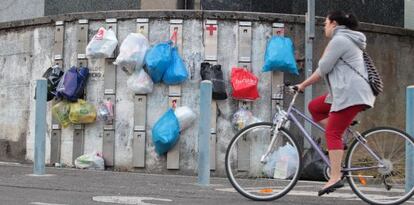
<point x="40" y="128"/>
<point x="309" y="36"/>
<point x="204" y="133"/>
<point x="409" y="123"/>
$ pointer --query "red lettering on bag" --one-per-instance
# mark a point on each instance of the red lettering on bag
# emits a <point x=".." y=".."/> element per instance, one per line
<point x="100" y="34"/>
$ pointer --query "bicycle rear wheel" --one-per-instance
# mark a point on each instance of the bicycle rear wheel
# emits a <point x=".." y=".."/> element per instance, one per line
<point x="263" y="181"/>
<point x="385" y="185"/>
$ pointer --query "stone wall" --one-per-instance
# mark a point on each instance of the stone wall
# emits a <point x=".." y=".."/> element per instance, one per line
<point x="29" y="53"/>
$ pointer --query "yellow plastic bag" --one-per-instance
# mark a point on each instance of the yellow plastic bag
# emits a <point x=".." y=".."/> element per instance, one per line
<point x="82" y="112"/>
<point x="60" y="111"/>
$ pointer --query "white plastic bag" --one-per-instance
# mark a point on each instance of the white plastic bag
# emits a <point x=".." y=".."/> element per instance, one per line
<point x="185" y="117"/>
<point x="132" y="51"/>
<point x="90" y="161"/>
<point x="140" y="82"/>
<point x="242" y="118"/>
<point x="102" y="44"/>
<point x="282" y="163"/>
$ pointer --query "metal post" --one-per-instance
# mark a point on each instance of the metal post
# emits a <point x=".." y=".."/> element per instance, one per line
<point x="409" y="123"/>
<point x="309" y="35"/>
<point x="204" y="133"/>
<point x="40" y="128"/>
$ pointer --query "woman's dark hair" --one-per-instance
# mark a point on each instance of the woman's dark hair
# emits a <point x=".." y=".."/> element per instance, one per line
<point x="348" y="20"/>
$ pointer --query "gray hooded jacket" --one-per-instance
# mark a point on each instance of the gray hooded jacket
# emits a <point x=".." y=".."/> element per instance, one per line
<point x="346" y="87"/>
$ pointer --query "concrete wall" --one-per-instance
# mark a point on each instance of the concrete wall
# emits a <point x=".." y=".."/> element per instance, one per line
<point x="12" y="10"/>
<point x="30" y="46"/>
<point x="409" y="14"/>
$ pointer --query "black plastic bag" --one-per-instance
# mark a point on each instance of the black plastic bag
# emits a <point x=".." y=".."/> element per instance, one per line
<point x="215" y="75"/>
<point x="314" y="167"/>
<point x="53" y="75"/>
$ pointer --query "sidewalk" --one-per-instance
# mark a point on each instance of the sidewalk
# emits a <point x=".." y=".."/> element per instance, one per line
<point x="78" y="187"/>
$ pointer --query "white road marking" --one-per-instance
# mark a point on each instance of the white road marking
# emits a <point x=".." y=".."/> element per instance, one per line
<point x="134" y="200"/>
<point x="41" y="203"/>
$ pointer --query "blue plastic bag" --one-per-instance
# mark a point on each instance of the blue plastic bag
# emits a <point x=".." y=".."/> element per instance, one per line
<point x="165" y="132"/>
<point x="158" y="59"/>
<point x="280" y="56"/>
<point x="73" y="83"/>
<point x="176" y="72"/>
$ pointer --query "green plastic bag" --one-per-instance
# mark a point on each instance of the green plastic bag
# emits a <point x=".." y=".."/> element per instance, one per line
<point x="60" y="112"/>
<point x="82" y="112"/>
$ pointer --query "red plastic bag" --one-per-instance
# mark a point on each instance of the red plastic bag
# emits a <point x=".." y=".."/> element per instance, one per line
<point x="244" y="84"/>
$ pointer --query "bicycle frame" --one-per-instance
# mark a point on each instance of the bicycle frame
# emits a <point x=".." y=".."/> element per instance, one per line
<point x="292" y="111"/>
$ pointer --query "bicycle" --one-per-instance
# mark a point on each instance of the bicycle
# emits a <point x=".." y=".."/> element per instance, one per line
<point x="374" y="163"/>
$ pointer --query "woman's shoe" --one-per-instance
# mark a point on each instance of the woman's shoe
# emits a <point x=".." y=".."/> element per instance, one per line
<point x="331" y="188"/>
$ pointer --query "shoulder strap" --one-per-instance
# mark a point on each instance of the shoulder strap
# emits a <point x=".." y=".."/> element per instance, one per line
<point x="349" y="65"/>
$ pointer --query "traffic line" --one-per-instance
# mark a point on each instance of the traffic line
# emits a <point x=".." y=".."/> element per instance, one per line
<point x="131" y="200"/>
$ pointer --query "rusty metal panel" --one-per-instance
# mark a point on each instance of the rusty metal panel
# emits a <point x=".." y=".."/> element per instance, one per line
<point x="82" y="37"/>
<point x="109" y="77"/>
<point x="173" y="156"/>
<point x="213" y="142"/>
<point x="78" y="142"/>
<point x="213" y="117"/>
<point x="140" y="112"/>
<point x="245" y="41"/>
<point x="176" y="25"/>
<point x="112" y="24"/>
<point x="59" y="40"/>
<point x="277" y="77"/>
<point x="55" y="143"/>
<point x="210" y="40"/>
<point x="108" y="149"/>
<point x="138" y="149"/>
<point x="110" y="125"/>
<point x="243" y="155"/>
<point x="142" y="26"/>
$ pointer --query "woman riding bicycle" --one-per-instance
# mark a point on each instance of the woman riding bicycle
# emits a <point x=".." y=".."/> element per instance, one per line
<point x="348" y="93"/>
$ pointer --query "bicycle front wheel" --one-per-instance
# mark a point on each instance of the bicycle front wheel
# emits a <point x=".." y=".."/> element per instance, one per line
<point x="387" y="184"/>
<point x="267" y="180"/>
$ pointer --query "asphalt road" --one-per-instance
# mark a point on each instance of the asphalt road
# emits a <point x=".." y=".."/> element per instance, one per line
<point x="81" y="187"/>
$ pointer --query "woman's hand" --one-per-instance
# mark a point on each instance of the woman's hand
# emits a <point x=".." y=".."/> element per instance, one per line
<point x="301" y="87"/>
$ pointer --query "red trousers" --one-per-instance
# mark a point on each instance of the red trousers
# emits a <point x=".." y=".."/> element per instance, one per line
<point x="338" y="121"/>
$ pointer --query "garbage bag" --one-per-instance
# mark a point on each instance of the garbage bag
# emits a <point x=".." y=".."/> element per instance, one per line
<point x="176" y="73"/>
<point x="106" y="111"/>
<point x="185" y="117"/>
<point x="60" y="112"/>
<point x="90" y="161"/>
<point x="280" y="55"/>
<point x="244" y="84"/>
<point x="215" y="75"/>
<point x="73" y="83"/>
<point x="53" y="75"/>
<point x="165" y="133"/>
<point x="102" y="44"/>
<point x="282" y="163"/>
<point x="132" y="51"/>
<point x="82" y="112"/>
<point x="243" y="118"/>
<point x="140" y="82"/>
<point x="313" y="165"/>
<point x="158" y="59"/>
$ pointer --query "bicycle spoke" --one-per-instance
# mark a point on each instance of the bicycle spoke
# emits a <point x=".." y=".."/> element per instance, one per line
<point x="384" y="185"/>
<point x="256" y="180"/>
